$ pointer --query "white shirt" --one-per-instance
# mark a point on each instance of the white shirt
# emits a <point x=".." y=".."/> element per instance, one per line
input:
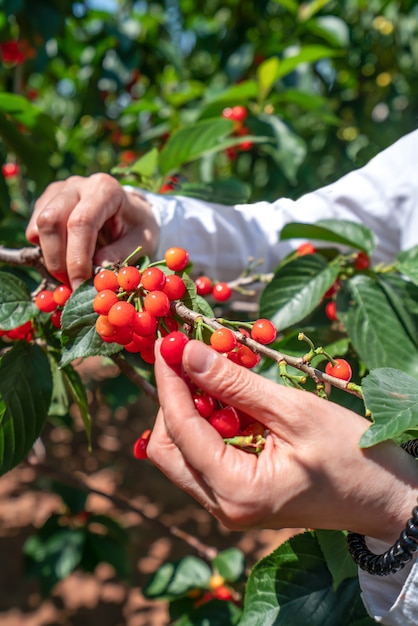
<point x="383" y="195"/>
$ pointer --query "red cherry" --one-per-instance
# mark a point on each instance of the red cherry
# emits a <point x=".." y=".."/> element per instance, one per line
<point x="121" y="314"/>
<point x="237" y="113"/>
<point x="362" y="261"/>
<point x="104" y="300"/>
<point x="10" y="170"/>
<point x="331" y="310"/>
<point x="45" y="301"/>
<point x="176" y="259"/>
<point x="172" y="347"/>
<point x="174" y="287"/>
<point x="153" y="279"/>
<point x="157" y="303"/>
<point x="106" y="279"/>
<point x="62" y="294"/>
<point x="144" y="323"/>
<point x="341" y="369"/>
<point x="223" y="340"/>
<point x="263" y="331"/>
<point x="221" y="292"/>
<point x="203" y="285"/>
<point x="204" y="404"/>
<point x="141" y="444"/>
<point x="225" y="421"/>
<point x="305" y="248"/>
<point x="129" y="277"/>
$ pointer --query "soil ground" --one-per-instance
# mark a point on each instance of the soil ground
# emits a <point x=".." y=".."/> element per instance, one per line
<point x="83" y="599"/>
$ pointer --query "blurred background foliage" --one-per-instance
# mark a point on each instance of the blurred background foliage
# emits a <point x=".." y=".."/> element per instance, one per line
<point x="91" y="86"/>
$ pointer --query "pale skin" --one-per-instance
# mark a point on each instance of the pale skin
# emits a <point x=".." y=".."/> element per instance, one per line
<point x="311" y="472"/>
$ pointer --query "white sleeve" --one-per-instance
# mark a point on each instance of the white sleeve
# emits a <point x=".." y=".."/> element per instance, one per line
<point x="220" y="239"/>
<point x="391" y="600"/>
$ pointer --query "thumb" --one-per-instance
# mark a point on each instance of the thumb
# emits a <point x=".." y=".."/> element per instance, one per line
<point x="266" y="401"/>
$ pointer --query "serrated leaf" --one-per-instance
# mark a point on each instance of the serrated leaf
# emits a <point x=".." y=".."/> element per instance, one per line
<point x="25" y="393"/>
<point x="376" y="332"/>
<point x="231" y="191"/>
<point x="403" y="296"/>
<point x="79" y="338"/>
<point x="230" y="564"/>
<point x="16" y="306"/>
<point x="293" y="587"/>
<point x="296" y="289"/>
<point x="392" y="398"/>
<point x="336" y="231"/>
<point x="172" y="580"/>
<point x="339" y="562"/>
<point x="407" y="263"/>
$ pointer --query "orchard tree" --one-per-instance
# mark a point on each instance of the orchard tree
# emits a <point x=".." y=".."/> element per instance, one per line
<point x="230" y="102"/>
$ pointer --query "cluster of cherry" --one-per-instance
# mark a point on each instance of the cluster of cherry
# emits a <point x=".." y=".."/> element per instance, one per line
<point x="47" y="301"/>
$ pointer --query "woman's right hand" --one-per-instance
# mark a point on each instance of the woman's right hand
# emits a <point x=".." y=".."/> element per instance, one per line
<point x="79" y="222"/>
<point x="311" y="472"/>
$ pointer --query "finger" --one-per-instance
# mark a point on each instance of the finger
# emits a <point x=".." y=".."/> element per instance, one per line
<point x="202" y="447"/>
<point x="32" y="231"/>
<point x="279" y="408"/>
<point x="101" y="200"/>
<point x="163" y="452"/>
<point x="49" y="229"/>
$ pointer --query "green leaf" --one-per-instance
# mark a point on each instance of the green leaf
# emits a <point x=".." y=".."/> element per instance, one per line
<point x="290" y="149"/>
<point x="53" y="553"/>
<point x="77" y="391"/>
<point x="308" y="9"/>
<point x="79" y="337"/>
<point x="306" y="54"/>
<point x="16" y="306"/>
<point x="403" y="296"/>
<point x="407" y="263"/>
<point x="192" y="142"/>
<point x="339" y="562"/>
<point x="293" y="587"/>
<point x="230" y="191"/>
<point x="266" y="75"/>
<point x="392" y="398"/>
<point x="25" y="393"/>
<point x="147" y="165"/>
<point x="336" y="231"/>
<point x="174" y="579"/>
<point x="297" y="289"/>
<point x="376" y="332"/>
<point x="230" y="564"/>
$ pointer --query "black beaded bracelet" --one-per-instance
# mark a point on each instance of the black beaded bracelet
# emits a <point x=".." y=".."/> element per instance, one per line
<point x="402" y="551"/>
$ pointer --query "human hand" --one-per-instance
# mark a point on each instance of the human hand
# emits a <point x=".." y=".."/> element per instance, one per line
<point x="81" y="221"/>
<point x="311" y="472"/>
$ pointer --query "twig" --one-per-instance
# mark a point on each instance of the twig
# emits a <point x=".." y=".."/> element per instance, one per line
<point x="208" y="552"/>
<point x="28" y="257"/>
<point x="297" y="362"/>
<point x="136" y="378"/>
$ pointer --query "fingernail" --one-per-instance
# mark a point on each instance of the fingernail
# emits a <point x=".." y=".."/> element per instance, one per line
<point x="199" y="357"/>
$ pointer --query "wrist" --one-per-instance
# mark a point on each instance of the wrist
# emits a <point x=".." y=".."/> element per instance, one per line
<point x="393" y="492"/>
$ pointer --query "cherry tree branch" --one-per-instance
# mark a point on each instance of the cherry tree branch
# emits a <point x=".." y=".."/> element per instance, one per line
<point x="208" y="552"/>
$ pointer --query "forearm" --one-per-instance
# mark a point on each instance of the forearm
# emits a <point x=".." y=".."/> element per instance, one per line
<point x="221" y="239"/>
